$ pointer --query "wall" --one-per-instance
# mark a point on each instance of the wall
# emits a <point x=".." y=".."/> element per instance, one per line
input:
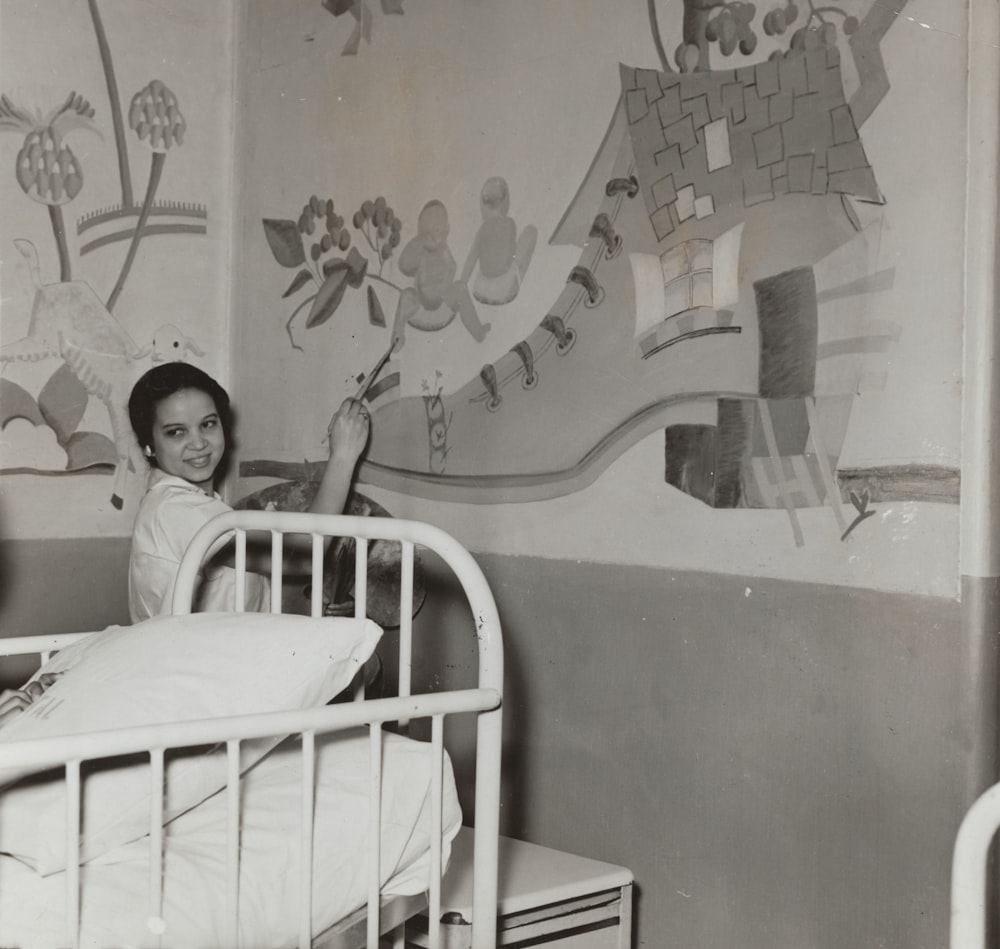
<point x="314" y="132"/>
<point x="85" y="307"/>
<point x="804" y="710"/>
<point x="91" y="575"/>
<point x="775" y="715"/>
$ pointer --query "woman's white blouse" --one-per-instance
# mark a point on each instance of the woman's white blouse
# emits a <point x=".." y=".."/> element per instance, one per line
<point x="170" y="514"/>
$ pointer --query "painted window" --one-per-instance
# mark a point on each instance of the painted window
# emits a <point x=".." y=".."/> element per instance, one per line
<point x="689" y="276"/>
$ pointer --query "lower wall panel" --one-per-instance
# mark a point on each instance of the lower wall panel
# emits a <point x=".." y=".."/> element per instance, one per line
<point x="780" y="764"/>
<point x="61" y="586"/>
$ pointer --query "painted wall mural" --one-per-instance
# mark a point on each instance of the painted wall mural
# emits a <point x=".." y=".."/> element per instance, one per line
<point x="728" y="291"/>
<point x="72" y="327"/>
<point x="499" y="258"/>
<point x="360" y="12"/>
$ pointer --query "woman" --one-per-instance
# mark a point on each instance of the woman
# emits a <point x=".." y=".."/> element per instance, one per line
<point x="183" y="421"/>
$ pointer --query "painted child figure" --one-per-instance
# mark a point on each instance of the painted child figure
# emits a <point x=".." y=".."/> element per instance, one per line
<point x="436" y="296"/>
<point x="503" y="256"/>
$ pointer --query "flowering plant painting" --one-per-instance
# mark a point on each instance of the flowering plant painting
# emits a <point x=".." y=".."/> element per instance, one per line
<point x="71" y="327"/>
<point x="333" y="263"/>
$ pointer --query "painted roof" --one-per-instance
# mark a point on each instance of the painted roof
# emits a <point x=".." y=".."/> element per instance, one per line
<point x="706" y="140"/>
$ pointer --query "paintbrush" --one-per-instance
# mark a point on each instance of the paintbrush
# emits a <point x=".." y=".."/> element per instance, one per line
<point x="370" y="378"/>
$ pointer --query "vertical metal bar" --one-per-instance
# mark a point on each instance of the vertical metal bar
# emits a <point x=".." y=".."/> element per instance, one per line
<point x="374" y="832"/>
<point x="489" y="729"/>
<point x="73" y="853"/>
<point x="233" y="840"/>
<point x="306" y="837"/>
<point x="405" y="623"/>
<point x="437" y="797"/>
<point x="277" y="570"/>
<point x="360" y="600"/>
<point x="360" y="577"/>
<point x="240" y="565"/>
<point x="316" y="588"/>
<point x="625" y="917"/>
<point x="156" y="834"/>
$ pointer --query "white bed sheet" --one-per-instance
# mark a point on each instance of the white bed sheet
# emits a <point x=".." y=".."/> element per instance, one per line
<point x="114" y="903"/>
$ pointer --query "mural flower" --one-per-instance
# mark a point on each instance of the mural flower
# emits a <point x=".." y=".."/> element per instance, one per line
<point x="155" y="117"/>
<point x="730" y="26"/>
<point x="333" y="264"/>
<point x="46" y="168"/>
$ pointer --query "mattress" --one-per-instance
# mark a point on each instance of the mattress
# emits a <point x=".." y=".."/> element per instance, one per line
<point x="114" y="885"/>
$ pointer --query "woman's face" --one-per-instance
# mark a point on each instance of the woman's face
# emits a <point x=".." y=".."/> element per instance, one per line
<point x="188" y="439"/>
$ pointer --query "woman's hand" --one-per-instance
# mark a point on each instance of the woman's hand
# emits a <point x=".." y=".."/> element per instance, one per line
<point x="348" y="431"/>
<point x="36" y="687"/>
<point x="15" y="701"/>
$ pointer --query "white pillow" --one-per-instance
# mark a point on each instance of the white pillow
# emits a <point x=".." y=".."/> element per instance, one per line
<point x="166" y="669"/>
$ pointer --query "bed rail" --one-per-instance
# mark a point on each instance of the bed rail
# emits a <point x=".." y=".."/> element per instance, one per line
<point x="484" y="701"/>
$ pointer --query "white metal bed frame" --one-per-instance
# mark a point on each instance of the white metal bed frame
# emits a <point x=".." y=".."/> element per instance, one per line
<point x="970" y="878"/>
<point x="484" y="701"/>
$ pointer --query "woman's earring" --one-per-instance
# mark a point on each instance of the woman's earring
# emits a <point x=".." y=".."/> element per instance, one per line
<point x="148" y="451"/>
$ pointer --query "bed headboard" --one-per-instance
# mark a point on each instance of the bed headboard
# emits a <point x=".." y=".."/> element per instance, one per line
<point x="320" y="527"/>
<point x="410" y="534"/>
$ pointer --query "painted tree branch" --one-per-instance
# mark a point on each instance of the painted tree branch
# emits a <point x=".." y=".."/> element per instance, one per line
<point x="155" y="171"/>
<point x="866" y="48"/>
<point x="115" y="102"/>
<point x="59" y="229"/>
<point x="654" y="26"/>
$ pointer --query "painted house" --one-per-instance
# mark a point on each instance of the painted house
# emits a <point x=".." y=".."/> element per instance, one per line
<point x="723" y="447"/>
<point x="720" y="314"/>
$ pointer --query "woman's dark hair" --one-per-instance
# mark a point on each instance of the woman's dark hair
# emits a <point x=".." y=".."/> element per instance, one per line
<point x="160" y="383"/>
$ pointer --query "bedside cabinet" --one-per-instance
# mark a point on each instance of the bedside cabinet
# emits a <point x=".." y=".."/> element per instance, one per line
<point x="545" y="898"/>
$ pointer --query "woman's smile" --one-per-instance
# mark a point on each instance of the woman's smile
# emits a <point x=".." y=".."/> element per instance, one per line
<point x="188" y="439"/>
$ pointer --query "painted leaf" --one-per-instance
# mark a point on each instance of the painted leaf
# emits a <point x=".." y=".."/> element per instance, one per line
<point x="88" y="450"/>
<point x="392" y="6"/>
<point x="338" y="7"/>
<point x="16" y="402"/>
<point x="301" y="279"/>
<point x="363" y="28"/>
<point x="357" y="266"/>
<point x="285" y="242"/>
<point x="376" y="315"/>
<point x="333" y="265"/>
<point x="353" y="43"/>
<point x="62" y="402"/>
<point x="329" y="297"/>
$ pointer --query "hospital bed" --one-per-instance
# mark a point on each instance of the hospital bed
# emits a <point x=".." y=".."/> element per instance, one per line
<point x="185" y="783"/>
